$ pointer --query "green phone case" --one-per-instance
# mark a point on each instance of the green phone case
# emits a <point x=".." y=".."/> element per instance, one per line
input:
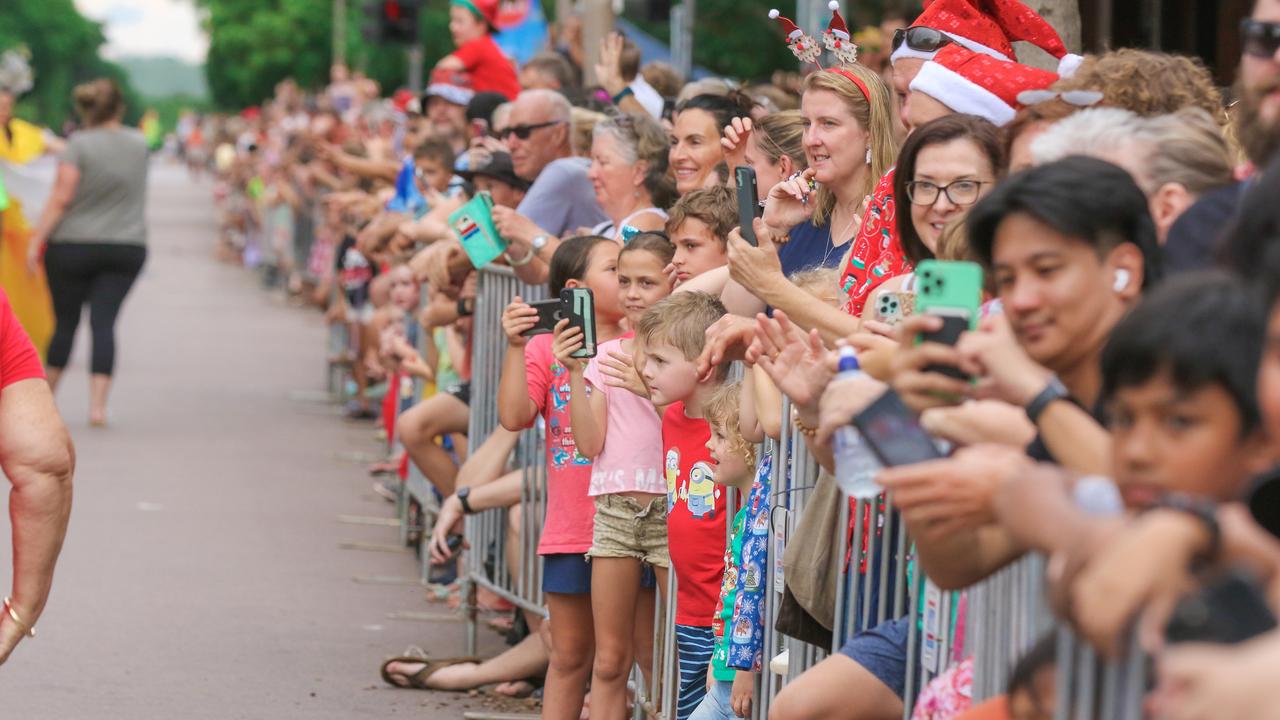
<point x="949" y="285"/>
<point x="473" y="223"/>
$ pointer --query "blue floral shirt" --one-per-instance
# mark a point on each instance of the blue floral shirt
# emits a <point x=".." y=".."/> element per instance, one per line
<point x="739" y="619"/>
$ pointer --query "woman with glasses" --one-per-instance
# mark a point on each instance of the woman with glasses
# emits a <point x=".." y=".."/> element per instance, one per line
<point x="945" y="168"/>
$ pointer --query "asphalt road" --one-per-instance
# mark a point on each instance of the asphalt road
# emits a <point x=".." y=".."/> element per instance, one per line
<point x="203" y="574"/>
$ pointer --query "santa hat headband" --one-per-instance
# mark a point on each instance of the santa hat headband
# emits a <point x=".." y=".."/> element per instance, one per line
<point x="837" y="40"/>
<point x="991" y="27"/>
<point x="976" y="84"/>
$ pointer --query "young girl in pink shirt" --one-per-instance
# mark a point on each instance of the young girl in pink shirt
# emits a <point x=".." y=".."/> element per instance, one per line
<point x="535" y="383"/>
<point x="622" y="434"/>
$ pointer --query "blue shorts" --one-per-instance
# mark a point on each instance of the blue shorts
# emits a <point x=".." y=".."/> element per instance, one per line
<point x="717" y="705"/>
<point x="882" y="650"/>
<point x="570" y="574"/>
<point x="694" y="648"/>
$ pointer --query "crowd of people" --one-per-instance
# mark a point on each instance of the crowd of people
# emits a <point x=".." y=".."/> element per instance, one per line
<point x="1110" y="400"/>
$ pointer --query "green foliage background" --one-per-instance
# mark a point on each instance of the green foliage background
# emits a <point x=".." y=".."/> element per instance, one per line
<point x="64" y="49"/>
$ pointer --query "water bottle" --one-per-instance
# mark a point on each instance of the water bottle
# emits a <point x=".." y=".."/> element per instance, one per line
<point x="856" y="463"/>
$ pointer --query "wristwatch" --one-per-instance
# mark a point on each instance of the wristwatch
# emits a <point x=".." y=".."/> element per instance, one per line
<point x="1055" y="390"/>
<point x="539" y="242"/>
<point x="466" y="307"/>
<point x="463" y="494"/>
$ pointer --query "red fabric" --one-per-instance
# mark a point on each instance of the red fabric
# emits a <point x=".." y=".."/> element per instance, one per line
<point x="490" y="70"/>
<point x="389" y="402"/>
<point x="18" y="357"/>
<point x="570" y="510"/>
<point x="877" y="252"/>
<point x="1005" y="80"/>
<point x="695" y="533"/>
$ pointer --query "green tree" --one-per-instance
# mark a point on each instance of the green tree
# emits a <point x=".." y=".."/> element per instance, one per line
<point x="254" y="44"/>
<point x="64" y="48"/>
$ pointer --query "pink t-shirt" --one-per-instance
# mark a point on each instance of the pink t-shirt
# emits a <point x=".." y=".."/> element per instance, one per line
<point x="632" y="457"/>
<point x="570" y="511"/>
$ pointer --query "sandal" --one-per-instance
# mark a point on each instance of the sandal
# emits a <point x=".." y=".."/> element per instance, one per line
<point x="418" y="680"/>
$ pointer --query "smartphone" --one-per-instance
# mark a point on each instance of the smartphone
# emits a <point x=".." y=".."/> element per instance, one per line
<point x="894" y="307"/>
<point x="952" y="291"/>
<point x="1229" y="609"/>
<point x="579" y="306"/>
<point x="748" y="202"/>
<point x="893" y="432"/>
<point x="479" y="128"/>
<point x="548" y="315"/>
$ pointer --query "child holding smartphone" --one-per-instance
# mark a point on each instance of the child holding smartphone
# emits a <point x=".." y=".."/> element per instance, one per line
<point x="535" y="383"/>
<point x="622" y="434"/>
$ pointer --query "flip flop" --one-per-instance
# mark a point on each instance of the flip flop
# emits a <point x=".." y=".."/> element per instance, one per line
<point x="418" y="680"/>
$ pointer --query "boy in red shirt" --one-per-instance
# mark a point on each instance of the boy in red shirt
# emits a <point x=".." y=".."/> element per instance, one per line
<point x="670" y="337"/>
<point x="472" y="24"/>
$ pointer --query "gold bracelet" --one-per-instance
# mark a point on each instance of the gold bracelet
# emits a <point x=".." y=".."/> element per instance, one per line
<point x="804" y="429"/>
<point x="13" y="614"/>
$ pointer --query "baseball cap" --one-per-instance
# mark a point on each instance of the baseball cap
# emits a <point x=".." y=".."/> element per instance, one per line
<point x="499" y="167"/>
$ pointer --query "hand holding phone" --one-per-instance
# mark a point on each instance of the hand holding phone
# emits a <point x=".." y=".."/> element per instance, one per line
<point x="951" y="291"/>
<point x="548" y="314"/>
<point x="578" y="306"/>
<point x="893" y="432"/>
<point x="748" y="202"/>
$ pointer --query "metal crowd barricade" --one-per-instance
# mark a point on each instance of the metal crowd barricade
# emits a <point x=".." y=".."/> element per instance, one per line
<point x="486" y="561"/>
<point x="416" y="487"/>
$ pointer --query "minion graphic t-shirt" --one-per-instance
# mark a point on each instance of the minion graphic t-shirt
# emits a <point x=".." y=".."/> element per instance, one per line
<point x="695" y="517"/>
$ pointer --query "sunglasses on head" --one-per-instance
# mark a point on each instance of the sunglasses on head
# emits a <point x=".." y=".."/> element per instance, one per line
<point x="524" y="131"/>
<point x="921" y="39"/>
<point x="1259" y="39"/>
<point x="1075" y="98"/>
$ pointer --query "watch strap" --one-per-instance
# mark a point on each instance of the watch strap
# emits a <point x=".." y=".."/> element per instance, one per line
<point x="463" y="495"/>
<point x="1054" y="390"/>
<point x="1203" y="510"/>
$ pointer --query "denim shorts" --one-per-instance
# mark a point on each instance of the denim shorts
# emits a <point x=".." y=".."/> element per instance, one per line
<point x="882" y="650"/>
<point x="717" y="705"/>
<point x="570" y="574"/>
<point x="626" y="529"/>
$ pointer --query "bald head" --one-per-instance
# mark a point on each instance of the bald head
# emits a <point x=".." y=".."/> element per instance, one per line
<point x="543" y="117"/>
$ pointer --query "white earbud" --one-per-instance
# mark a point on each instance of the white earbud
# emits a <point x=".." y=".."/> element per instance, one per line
<point x="1122" y="280"/>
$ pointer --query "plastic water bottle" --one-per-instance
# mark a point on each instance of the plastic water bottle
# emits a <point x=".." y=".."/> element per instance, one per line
<point x="856" y="463"/>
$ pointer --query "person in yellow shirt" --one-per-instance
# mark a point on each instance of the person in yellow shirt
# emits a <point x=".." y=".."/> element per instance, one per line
<point x="20" y="143"/>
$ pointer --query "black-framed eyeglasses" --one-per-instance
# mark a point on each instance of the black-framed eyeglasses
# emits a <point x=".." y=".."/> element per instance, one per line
<point x="1075" y="98"/>
<point x="921" y="39"/>
<point x="1259" y="39"/>
<point x="959" y="192"/>
<point x="524" y="131"/>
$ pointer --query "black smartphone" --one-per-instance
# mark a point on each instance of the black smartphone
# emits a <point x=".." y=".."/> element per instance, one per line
<point x="955" y="321"/>
<point x="548" y="315"/>
<point x="1231" y="608"/>
<point x="748" y="202"/>
<point x="579" y="305"/>
<point x="893" y="432"/>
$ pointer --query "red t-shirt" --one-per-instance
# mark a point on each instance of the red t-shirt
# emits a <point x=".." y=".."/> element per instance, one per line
<point x="571" y="512"/>
<point x="18" y="357"/>
<point x="490" y="70"/>
<point x="877" y="251"/>
<point x="695" y="516"/>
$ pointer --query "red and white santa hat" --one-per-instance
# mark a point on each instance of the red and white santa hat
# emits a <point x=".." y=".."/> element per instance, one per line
<point x="991" y="27"/>
<point x="837" y="26"/>
<point x="788" y="26"/>
<point x="977" y="84"/>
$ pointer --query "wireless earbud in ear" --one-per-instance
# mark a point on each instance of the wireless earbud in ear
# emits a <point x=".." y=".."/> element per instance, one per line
<point x="1122" y="280"/>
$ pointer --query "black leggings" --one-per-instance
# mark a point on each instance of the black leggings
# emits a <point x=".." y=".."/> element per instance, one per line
<point x="99" y="274"/>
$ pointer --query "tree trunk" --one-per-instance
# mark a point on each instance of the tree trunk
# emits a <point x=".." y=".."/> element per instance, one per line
<point x="1064" y="16"/>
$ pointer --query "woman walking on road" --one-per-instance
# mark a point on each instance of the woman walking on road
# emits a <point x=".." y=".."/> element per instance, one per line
<point x="92" y="233"/>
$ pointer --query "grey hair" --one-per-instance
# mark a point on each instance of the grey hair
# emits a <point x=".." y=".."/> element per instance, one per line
<point x="640" y="137"/>
<point x="1097" y="132"/>
<point x="561" y="110"/>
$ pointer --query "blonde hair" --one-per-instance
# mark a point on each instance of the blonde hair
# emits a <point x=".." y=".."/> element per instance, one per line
<point x="1190" y="150"/>
<point x="1148" y="83"/>
<point x="782" y="133"/>
<point x="953" y="242"/>
<point x="681" y="321"/>
<point x="723" y="409"/>
<point x="583" y="123"/>
<point x="821" y="282"/>
<point x="98" y="101"/>
<point x="873" y="113"/>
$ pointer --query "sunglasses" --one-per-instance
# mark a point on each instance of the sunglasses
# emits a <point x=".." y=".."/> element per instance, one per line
<point x="921" y="39"/>
<point x="524" y="131"/>
<point x="1259" y="39"/>
<point x="1075" y="98"/>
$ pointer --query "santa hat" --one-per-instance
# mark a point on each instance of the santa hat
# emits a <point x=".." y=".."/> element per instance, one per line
<point x="991" y="27"/>
<point x="837" y="26"/>
<point x="788" y="26"/>
<point x="455" y="87"/>
<point x="977" y="84"/>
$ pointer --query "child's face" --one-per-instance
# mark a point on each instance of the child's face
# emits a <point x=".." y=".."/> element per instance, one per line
<point x="697" y="249"/>
<point x="404" y="289"/>
<point x="730" y="466"/>
<point x="670" y="377"/>
<point x="1190" y="442"/>
<point x="433" y="174"/>
<point x="602" y="278"/>
<point x="641" y="283"/>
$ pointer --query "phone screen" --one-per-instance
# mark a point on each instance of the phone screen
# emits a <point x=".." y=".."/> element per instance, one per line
<point x="893" y="432"/>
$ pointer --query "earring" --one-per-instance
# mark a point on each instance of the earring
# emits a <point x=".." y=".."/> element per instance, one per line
<point x="868" y="154"/>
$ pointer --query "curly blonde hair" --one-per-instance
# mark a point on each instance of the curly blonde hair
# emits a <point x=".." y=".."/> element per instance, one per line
<point x="723" y="409"/>
<point x="1148" y="83"/>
